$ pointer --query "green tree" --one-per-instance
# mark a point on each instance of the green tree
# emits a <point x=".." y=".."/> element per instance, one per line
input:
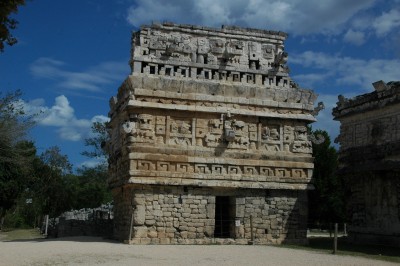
<point x="94" y="189"/>
<point x="8" y="7"/>
<point x="14" y="123"/>
<point x="53" y="158"/>
<point x="91" y="188"/>
<point x="51" y="187"/>
<point x="15" y="153"/>
<point x="95" y="143"/>
<point x="326" y="202"/>
<point x="15" y="175"/>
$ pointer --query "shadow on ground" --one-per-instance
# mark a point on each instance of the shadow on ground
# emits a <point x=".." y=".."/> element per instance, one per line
<point x="33" y="235"/>
<point x="345" y="245"/>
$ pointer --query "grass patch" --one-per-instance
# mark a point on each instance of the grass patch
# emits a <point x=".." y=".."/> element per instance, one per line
<point x="325" y="245"/>
<point x="19" y="234"/>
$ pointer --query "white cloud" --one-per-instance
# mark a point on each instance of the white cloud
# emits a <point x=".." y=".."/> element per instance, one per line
<point x="362" y="21"/>
<point x="59" y="114"/>
<point x="354" y="37"/>
<point x="381" y="25"/>
<point x="62" y="116"/>
<point x="294" y="16"/>
<point x="144" y="12"/>
<point x="93" y="163"/>
<point x="93" y="79"/>
<point x="308" y="80"/>
<point x="387" y="22"/>
<point x="346" y="70"/>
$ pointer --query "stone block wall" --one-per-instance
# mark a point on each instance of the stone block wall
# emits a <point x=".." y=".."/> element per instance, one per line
<point x="100" y="227"/>
<point x="83" y="222"/>
<point x="375" y="209"/>
<point x="207" y="133"/>
<point x="369" y="160"/>
<point x="122" y="212"/>
<point x="187" y="215"/>
<point x="278" y="216"/>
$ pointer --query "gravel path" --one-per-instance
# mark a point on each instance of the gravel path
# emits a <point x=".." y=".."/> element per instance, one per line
<point x="95" y="251"/>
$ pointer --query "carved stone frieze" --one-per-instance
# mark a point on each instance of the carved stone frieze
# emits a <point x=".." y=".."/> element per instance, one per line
<point x="141" y="131"/>
<point x="209" y="114"/>
<point x="220" y="169"/>
<point x="212" y="133"/>
<point x="180" y="132"/>
<point x="271" y="138"/>
<point x="301" y="143"/>
<point x="223" y="50"/>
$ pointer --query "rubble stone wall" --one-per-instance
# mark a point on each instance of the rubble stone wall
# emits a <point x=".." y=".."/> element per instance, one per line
<point x="187" y="215"/>
<point x="83" y="222"/>
<point x="103" y="228"/>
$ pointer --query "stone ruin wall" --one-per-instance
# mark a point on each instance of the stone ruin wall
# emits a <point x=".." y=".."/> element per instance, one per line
<point x="208" y="113"/>
<point x="83" y="222"/>
<point x="174" y="215"/>
<point x="369" y="160"/>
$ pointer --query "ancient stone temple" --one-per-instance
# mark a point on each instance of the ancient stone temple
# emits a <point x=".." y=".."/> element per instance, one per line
<point x="209" y="140"/>
<point x="369" y="159"/>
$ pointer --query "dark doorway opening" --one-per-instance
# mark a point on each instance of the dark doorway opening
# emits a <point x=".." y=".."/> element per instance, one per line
<point x="224" y="216"/>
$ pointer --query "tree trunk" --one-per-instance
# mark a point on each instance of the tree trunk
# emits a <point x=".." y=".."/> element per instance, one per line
<point x="2" y="215"/>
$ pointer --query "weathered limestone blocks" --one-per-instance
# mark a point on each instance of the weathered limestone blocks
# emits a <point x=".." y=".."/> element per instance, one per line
<point x="207" y="131"/>
<point x="208" y="95"/>
<point x="177" y="215"/>
<point x="370" y="162"/>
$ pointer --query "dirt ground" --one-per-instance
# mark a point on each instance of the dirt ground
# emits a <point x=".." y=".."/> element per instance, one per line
<point x="96" y="251"/>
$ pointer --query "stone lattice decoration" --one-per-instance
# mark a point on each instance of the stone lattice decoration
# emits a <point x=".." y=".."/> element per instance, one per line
<point x="207" y="133"/>
<point x="369" y="160"/>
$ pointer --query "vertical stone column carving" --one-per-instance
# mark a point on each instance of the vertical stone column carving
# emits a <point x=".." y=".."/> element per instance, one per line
<point x="271" y="137"/>
<point x="180" y="131"/>
<point x="301" y="143"/>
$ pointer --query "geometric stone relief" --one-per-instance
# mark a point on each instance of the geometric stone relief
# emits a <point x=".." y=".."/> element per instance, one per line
<point x="369" y="131"/>
<point x="272" y="136"/>
<point x="301" y="143"/>
<point x="241" y="140"/>
<point x="180" y="131"/>
<point x="212" y="51"/>
<point x="214" y="103"/>
<point x="214" y="136"/>
<point x="141" y="131"/>
<point x="288" y="137"/>
<point x="218" y="169"/>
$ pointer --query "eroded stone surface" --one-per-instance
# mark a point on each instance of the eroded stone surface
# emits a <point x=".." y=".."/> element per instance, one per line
<point x="370" y="162"/>
<point x="210" y="119"/>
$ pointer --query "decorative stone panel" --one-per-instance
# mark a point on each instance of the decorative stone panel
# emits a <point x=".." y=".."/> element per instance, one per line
<point x="207" y="118"/>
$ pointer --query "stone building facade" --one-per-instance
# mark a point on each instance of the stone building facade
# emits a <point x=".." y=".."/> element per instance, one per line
<point x="209" y="140"/>
<point x="369" y="160"/>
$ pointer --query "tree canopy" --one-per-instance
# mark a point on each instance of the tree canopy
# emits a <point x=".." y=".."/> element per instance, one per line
<point x="31" y="184"/>
<point x="96" y="142"/>
<point x="16" y="154"/>
<point x="326" y="202"/>
<point x="7" y="23"/>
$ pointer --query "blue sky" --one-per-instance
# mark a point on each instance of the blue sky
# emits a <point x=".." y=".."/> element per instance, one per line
<point x="73" y="55"/>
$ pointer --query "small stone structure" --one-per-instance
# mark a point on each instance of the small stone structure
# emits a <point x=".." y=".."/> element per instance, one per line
<point x="209" y="141"/>
<point x="83" y="222"/>
<point x="369" y="159"/>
